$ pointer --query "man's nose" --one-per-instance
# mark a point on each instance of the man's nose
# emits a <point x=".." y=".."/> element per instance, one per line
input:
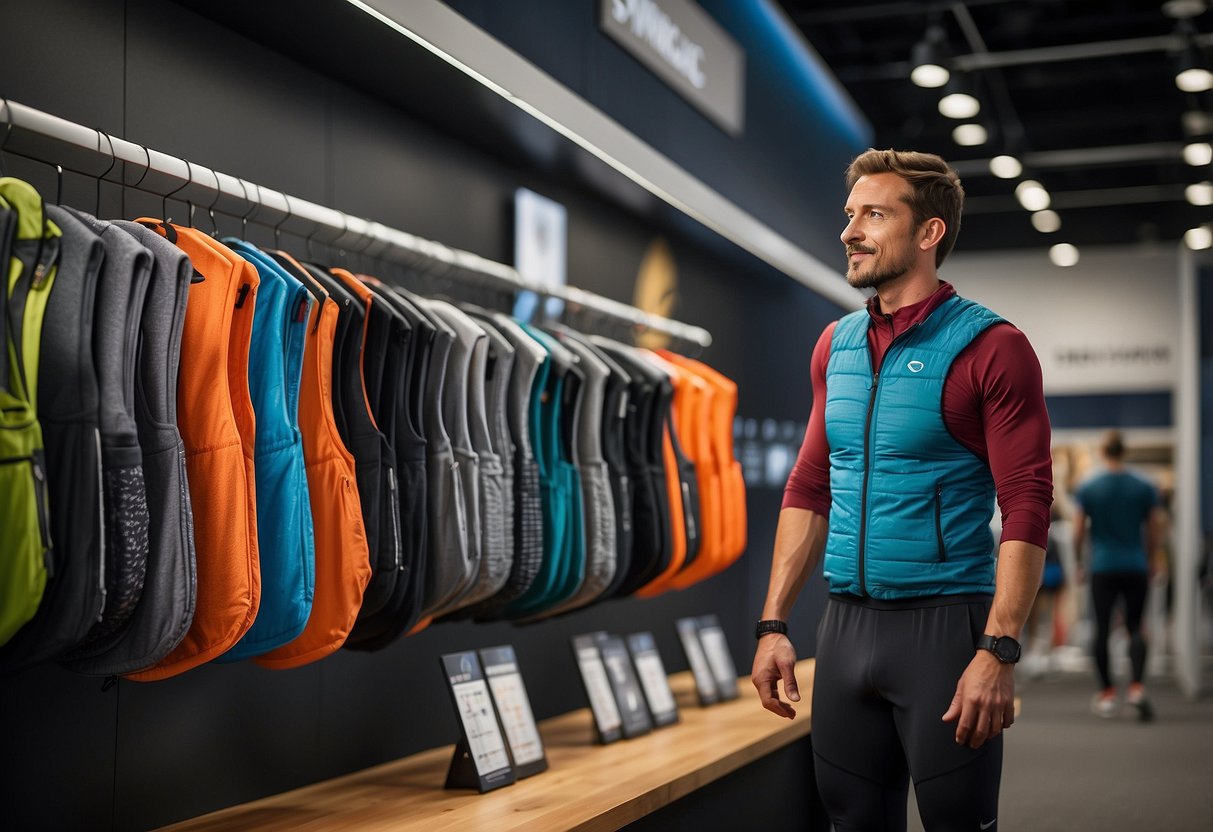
<point x="850" y="234"/>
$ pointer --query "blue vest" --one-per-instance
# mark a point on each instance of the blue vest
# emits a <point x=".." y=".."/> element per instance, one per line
<point x="910" y="506"/>
<point x="285" y="537"/>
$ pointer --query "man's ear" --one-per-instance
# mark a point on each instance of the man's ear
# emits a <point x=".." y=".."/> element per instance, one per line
<point x="932" y="232"/>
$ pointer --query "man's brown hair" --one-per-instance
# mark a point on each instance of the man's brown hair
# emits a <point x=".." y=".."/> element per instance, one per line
<point x="935" y="189"/>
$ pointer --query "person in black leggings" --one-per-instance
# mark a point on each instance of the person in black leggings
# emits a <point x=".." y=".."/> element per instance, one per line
<point x="925" y="405"/>
<point x="1124" y="514"/>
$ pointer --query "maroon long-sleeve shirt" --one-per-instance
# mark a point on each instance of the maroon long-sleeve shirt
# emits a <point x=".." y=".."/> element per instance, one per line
<point x="993" y="404"/>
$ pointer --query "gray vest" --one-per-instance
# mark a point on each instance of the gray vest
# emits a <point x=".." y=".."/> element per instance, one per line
<point x="116" y="316"/>
<point x="463" y="413"/>
<point x="526" y="512"/>
<point x="448" y="549"/>
<point x="166" y="607"/>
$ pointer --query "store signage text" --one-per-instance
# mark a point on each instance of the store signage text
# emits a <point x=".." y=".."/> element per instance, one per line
<point x="687" y="49"/>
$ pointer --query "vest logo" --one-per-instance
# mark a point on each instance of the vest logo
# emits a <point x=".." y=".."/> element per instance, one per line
<point x="915" y="366"/>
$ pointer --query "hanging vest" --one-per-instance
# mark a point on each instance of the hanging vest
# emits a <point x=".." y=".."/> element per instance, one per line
<point x="373" y="457"/>
<point x="218" y="426"/>
<point x="525" y="387"/>
<point x="719" y="474"/>
<point x="487" y="384"/>
<point x="30" y="249"/>
<point x="117" y="313"/>
<point x="166" y="607"/>
<point x="68" y="411"/>
<point x="466" y="359"/>
<point x="342" y="558"/>
<point x="614" y="417"/>
<point x="911" y="506"/>
<point x="412" y="447"/>
<point x="284" y="515"/>
<point x="684" y="485"/>
<point x="653" y="533"/>
<point x="376" y="361"/>
<point x="586" y="456"/>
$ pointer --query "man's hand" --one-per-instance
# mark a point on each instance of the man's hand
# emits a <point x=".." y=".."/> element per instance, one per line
<point x="775" y="659"/>
<point x="984" y="703"/>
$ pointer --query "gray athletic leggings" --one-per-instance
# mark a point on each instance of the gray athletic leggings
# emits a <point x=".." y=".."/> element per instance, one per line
<point x="886" y="673"/>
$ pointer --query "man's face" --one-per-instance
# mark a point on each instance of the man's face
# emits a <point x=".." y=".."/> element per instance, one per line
<point x="880" y="235"/>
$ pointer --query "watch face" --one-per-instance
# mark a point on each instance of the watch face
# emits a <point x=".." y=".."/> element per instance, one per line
<point x="1006" y="649"/>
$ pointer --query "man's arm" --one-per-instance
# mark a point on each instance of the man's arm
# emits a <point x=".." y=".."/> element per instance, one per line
<point x="1006" y="384"/>
<point x="800" y="538"/>
<point x="984" y="703"/>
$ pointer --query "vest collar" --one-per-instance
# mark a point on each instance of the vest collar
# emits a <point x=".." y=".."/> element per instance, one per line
<point x="908" y="316"/>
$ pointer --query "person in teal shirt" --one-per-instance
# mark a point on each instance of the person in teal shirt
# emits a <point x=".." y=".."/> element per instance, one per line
<point x="1123" y="511"/>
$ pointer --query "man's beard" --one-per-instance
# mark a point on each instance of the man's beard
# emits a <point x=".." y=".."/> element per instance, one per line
<point x="879" y="272"/>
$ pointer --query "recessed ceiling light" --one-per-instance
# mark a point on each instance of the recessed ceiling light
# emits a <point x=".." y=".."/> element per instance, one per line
<point x="930" y="75"/>
<point x="1032" y="195"/>
<point x="1198" y="154"/>
<point x="969" y="135"/>
<point x="1005" y="167"/>
<point x="1064" y="255"/>
<point x="1194" y="79"/>
<point x="1046" y="221"/>
<point x="959" y="105"/>
<point x="1199" y="238"/>
<point x="1199" y="193"/>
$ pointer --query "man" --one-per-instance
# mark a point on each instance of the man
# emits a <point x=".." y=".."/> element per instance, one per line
<point x="1126" y="518"/>
<point x="924" y="404"/>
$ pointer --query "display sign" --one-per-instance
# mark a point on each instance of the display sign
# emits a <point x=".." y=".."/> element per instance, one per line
<point x="481" y="760"/>
<point x="720" y="660"/>
<point x="681" y="44"/>
<point x="653" y="680"/>
<point x="608" y="724"/>
<point x="705" y="682"/>
<point x="540" y="249"/>
<point x="514" y="709"/>
<point x="633" y="708"/>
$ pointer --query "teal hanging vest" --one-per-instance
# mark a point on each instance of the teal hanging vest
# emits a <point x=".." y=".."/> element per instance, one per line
<point x="911" y="507"/>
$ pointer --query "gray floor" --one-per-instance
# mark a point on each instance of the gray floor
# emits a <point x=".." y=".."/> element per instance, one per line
<point x="1066" y="769"/>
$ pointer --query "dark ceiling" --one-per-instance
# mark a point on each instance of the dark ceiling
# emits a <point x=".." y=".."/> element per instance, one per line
<point x="1083" y="93"/>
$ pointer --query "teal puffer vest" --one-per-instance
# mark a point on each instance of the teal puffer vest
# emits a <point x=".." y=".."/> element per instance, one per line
<point x="911" y="507"/>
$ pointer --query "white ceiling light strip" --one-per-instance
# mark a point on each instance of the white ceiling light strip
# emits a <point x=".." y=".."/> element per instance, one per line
<point x="457" y="41"/>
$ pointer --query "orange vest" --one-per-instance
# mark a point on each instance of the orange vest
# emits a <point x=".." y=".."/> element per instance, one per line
<point x="728" y="469"/>
<point x="217" y="425"/>
<point x="343" y="566"/>
<point x="694" y="404"/>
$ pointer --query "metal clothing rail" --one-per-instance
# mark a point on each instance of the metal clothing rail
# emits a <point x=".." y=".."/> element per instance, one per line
<point x="58" y="142"/>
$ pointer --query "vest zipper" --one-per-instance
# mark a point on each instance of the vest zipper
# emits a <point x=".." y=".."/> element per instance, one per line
<point x="867" y="459"/>
<point x="394" y="510"/>
<point x="863" y="498"/>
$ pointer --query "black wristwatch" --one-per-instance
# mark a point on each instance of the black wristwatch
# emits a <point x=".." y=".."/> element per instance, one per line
<point x="1004" y="648"/>
<point x="770" y="625"/>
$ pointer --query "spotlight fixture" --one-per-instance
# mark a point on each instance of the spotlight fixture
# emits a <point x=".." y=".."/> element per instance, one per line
<point x="958" y="100"/>
<point x="1046" y="221"/>
<point x="1192" y="71"/>
<point x="1063" y="255"/>
<point x="970" y="134"/>
<point x="1032" y="195"/>
<point x="1199" y="238"/>
<point x="1198" y="153"/>
<point x="930" y="69"/>
<point x="1005" y="167"/>
<point x="1199" y="193"/>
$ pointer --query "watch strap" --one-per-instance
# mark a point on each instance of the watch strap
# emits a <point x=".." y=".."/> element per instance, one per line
<point x="770" y="625"/>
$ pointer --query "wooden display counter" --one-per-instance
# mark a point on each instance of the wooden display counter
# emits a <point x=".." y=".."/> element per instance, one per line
<point x="586" y="787"/>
